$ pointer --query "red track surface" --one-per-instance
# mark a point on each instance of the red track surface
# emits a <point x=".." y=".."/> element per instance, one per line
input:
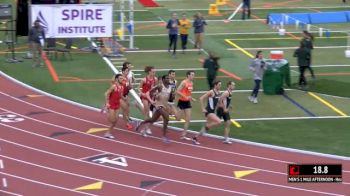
<point x="38" y="163"/>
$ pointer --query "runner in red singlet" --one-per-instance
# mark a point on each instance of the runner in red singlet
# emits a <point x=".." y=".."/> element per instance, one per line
<point x="125" y="103"/>
<point x="146" y="84"/>
<point x="113" y="96"/>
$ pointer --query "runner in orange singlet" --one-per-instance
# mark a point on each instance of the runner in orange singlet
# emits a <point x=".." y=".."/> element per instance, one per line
<point x="185" y="97"/>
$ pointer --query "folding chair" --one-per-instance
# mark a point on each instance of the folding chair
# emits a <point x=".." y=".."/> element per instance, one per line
<point x="66" y="49"/>
<point x="50" y="47"/>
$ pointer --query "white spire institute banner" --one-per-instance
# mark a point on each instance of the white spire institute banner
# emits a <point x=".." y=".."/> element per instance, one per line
<point x="74" y="20"/>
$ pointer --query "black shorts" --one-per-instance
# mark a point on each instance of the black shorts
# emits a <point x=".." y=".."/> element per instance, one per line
<point x="184" y="104"/>
<point x="221" y="114"/>
<point x="209" y="111"/>
<point x="152" y="108"/>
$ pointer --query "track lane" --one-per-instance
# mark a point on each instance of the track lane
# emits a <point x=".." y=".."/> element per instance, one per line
<point x="103" y="173"/>
<point x="94" y="120"/>
<point x="169" y="170"/>
<point x="86" y="115"/>
<point x="62" y="173"/>
<point x="27" y="186"/>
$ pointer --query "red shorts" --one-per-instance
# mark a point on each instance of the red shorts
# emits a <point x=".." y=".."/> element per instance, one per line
<point x="114" y="106"/>
<point x="144" y="98"/>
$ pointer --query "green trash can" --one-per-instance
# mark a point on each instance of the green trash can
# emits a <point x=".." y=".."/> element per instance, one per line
<point x="276" y="74"/>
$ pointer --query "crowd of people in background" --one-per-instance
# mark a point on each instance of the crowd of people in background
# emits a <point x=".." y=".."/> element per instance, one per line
<point x="182" y="26"/>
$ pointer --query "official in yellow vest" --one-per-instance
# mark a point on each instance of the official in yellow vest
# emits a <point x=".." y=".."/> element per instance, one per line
<point x="185" y="25"/>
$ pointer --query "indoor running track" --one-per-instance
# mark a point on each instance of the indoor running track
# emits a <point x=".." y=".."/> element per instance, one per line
<point x="45" y="150"/>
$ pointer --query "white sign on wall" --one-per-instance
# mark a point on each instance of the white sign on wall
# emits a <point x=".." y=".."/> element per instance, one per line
<point x="74" y="20"/>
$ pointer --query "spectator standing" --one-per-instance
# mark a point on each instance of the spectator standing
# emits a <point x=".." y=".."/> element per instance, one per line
<point x="308" y="43"/>
<point x="185" y="25"/>
<point x="36" y="37"/>
<point x="198" y="25"/>
<point x="303" y="54"/>
<point x="173" y="28"/>
<point x="212" y="66"/>
<point x="246" y="9"/>
<point x="258" y="68"/>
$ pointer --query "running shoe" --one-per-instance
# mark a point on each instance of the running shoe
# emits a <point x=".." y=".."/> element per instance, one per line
<point x="227" y="141"/>
<point x="148" y="131"/>
<point x="104" y="109"/>
<point x="251" y="98"/>
<point x="166" y="140"/>
<point x="129" y="126"/>
<point x="109" y="136"/>
<point x="185" y="138"/>
<point x="143" y="133"/>
<point x="195" y="141"/>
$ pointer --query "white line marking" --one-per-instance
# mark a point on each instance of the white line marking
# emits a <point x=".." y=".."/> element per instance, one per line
<point x="90" y="156"/>
<point x="108" y="152"/>
<point x="253" y="181"/>
<point x="163" y="51"/>
<point x="183" y="69"/>
<point x="231" y="33"/>
<point x="1" y="164"/>
<point x="101" y="180"/>
<point x="153" y="187"/>
<point x="268" y="119"/>
<point x="288" y="48"/>
<point x="143" y="147"/>
<point x="326" y="66"/>
<point x="74" y="174"/>
<point x="260" y="8"/>
<point x="43" y="183"/>
<point x="10" y="193"/>
<point x="4" y="182"/>
<point x="274" y="147"/>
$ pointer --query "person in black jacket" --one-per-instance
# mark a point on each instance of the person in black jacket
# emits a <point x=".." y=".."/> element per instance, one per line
<point x="212" y="66"/>
<point x="308" y="43"/>
<point x="246" y="9"/>
<point x="303" y="55"/>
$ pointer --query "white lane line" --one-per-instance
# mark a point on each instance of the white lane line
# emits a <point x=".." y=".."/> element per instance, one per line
<point x="322" y="66"/>
<point x="101" y="180"/>
<point x="143" y="147"/>
<point x="43" y="183"/>
<point x="4" y="182"/>
<point x="253" y="181"/>
<point x="255" y="144"/>
<point x="1" y="164"/>
<point x="10" y="193"/>
<point x="94" y="155"/>
<point x="109" y="152"/>
<point x="153" y="187"/>
<point x="202" y="147"/>
<point x="74" y="174"/>
<point x="288" y="48"/>
<point x="263" y="8"/>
